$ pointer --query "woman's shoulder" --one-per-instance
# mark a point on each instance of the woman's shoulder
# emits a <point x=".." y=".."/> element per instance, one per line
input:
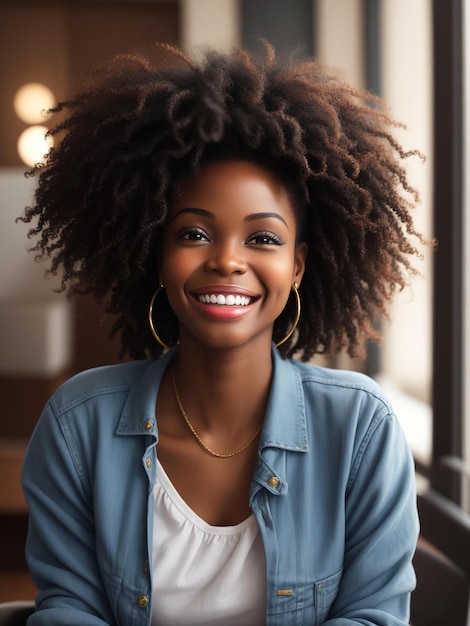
<point x="346" y="383"/>
<point x="334" y="376"/>
<point x="97" y="382"/>
<point x="343" y="405"/>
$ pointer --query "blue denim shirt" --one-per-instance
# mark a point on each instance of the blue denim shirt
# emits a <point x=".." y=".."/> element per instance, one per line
<point x="333" y="493"/>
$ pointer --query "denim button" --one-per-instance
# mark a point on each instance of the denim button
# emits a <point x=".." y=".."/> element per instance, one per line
<point x="143" y="601"/>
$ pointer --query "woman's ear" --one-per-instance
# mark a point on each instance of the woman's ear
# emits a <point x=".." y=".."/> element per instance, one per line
<point x="301" y="252"/>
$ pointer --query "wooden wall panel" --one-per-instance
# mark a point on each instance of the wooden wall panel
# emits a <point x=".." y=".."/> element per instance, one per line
<point x="32" y="44"/>
<point x="55" y="42"/>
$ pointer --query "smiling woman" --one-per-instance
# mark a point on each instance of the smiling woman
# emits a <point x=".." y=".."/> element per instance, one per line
<point x="268" y="202"/>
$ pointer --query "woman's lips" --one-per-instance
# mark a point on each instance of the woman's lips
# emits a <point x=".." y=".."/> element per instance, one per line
<point x="224" y="302"/>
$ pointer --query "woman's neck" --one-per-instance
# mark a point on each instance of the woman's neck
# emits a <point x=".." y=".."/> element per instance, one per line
<point x="224" y="391"/>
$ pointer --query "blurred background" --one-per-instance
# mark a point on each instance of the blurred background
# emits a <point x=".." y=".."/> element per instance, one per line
<point x="411" y="52"/>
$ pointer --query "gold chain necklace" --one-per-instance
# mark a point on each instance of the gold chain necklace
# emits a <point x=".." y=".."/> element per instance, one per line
<point x="196" y="436"/>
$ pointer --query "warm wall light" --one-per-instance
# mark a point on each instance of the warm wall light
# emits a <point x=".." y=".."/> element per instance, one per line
<point x="31" y="101"/>
<point x="33" y="145"/>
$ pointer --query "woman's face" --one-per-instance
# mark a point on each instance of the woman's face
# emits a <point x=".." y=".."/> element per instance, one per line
<point x="230" y="255"/>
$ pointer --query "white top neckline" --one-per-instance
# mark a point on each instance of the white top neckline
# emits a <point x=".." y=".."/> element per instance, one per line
<point x="193" y="517"/>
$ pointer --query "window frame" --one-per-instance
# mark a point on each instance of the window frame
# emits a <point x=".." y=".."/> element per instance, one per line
<point x="447" y="336"/>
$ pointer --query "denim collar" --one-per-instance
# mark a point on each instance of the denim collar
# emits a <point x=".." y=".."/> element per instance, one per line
<point x="285" y="421"/>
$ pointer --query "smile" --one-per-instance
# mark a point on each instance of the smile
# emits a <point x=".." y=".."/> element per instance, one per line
<point x="221" y="299"/>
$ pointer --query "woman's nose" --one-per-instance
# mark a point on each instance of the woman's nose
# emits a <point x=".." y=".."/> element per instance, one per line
<point x="227" y="258"/>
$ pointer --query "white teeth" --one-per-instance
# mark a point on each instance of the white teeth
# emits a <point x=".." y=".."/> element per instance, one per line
<point x="229" y="300"/>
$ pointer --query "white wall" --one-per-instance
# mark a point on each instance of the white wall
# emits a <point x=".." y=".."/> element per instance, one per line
<point x="35" y="322"/>
<point x="212" y="23"/>
<point x="340" y="37"/>
<point x="21" y="277"/>
<point x="407" y="87"/>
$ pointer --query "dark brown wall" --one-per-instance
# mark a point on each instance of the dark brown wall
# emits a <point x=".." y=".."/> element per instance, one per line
<point x="55" y="42"/>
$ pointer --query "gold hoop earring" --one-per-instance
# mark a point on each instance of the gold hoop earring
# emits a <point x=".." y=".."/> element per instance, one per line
<point x="295" y="289"/>
<point x="151" y="324"/>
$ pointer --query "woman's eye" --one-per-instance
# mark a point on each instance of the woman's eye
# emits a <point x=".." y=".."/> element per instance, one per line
<point x="193" y="234"/>
<point x="265" y="239"/>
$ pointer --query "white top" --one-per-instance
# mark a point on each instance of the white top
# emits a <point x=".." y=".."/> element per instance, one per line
<point x="204" y="575"/>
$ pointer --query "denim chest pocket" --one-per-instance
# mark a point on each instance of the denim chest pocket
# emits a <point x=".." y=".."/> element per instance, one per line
<point x="305" y="604"/>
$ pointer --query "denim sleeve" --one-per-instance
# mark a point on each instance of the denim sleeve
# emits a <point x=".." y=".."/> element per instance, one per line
<point x="381" y="531"/>
<point x="60" y="546"/>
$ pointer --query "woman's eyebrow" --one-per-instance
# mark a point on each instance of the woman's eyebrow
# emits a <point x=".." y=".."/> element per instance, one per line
<point x="196" y="211"/>
<point x="249" y="218"/>
<point x="260" y="216"/>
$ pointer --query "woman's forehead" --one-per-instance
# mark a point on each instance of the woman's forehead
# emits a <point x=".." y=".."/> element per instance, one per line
<point x="234" y="182"/>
